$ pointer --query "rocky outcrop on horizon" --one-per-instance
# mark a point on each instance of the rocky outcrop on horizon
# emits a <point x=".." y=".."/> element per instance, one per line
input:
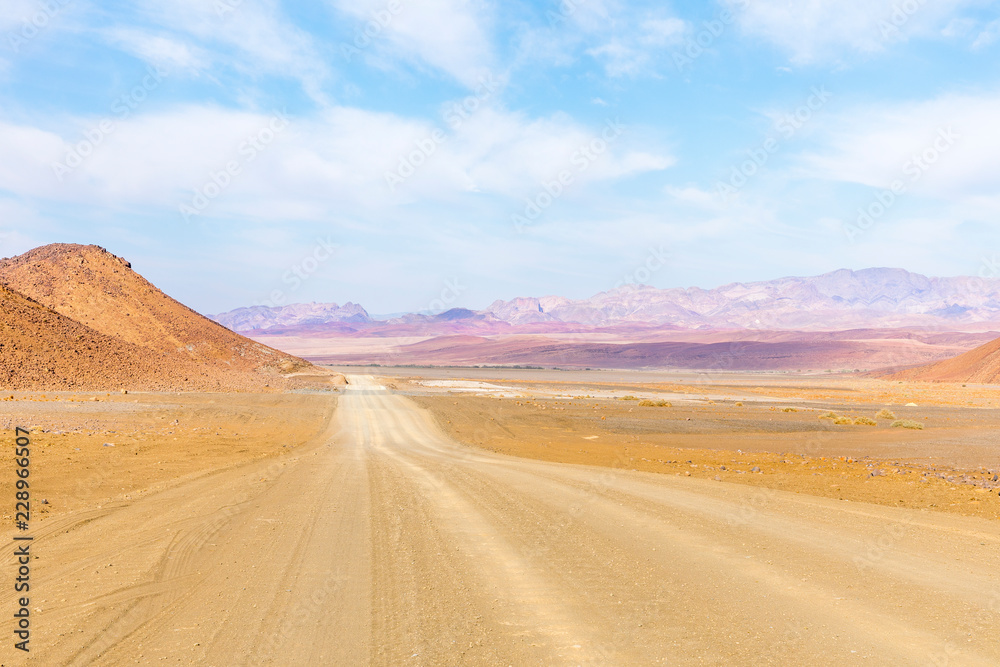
<point x="261" y="318"/>
<point x="844" y="299"/>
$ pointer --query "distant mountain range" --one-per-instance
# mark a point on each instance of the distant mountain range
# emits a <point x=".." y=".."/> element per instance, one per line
<point x="844" y="299"/>
<point x="298" y="314"/>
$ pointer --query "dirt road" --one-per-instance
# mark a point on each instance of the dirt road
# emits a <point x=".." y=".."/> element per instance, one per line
<point x="384" y="543"/>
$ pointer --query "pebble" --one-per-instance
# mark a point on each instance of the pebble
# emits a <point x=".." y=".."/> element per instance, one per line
<point x="108" y="444"/>
<point x="755" y="469"/>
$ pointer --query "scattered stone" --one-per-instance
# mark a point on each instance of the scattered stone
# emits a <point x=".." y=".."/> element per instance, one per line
<point x="755" y="469"/>
<point x="717" y="478"/>
<point x="108" y="444"/>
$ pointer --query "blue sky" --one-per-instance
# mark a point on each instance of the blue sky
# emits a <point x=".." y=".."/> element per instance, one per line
<point x="406" y="154"/>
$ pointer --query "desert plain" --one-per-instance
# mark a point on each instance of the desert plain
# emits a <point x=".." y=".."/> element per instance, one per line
<point x="502" y="516"/>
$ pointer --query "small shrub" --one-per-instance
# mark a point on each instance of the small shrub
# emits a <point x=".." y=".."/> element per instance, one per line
<point x="789" y="410"/>
<point x="865" y="421"/>
<point x="829" y="415"/>
<point x="907" y="423"/>
<point x="629" y="398"/>
<point x="739" y="404"/>
<point x="656" y="404"/>
<point x="843" y="420"/>
<point x="885" y="414"/>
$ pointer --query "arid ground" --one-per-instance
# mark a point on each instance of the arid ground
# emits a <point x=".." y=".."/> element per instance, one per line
<point x="485" y="517"/>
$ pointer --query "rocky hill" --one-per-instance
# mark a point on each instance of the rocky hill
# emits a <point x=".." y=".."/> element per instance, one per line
<point x="99" y="324"/>
<point x="981" y="365"/>
<point x="41" y="349"/>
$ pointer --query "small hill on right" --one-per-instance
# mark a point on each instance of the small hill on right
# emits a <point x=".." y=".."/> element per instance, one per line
<point x="981" y="365"/>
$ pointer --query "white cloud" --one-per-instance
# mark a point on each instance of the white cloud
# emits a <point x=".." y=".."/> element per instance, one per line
<point x="159" y="50"/>
<point x="632" y="45"/>
<point x="694" y="196"/>
<point x="15" y="13"/>
<point x="333" y="162"/>
<point x="620" y="59"/>
<point x="453" y="36"/>
<point x="988" y="35"/>
<point x="22" y="22"/>
<point x="661" y="31"/>
<point x="627" y="41"/>
<point x="820" y="30"/>
<point x="958" y="27"/>
<point x="875" y="145"/>
<point x="252" y="36"/>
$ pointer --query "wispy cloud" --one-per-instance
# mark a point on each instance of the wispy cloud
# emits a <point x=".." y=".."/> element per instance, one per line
<point x="15" y="13"/>
<point x="161" y="51"/>
<point x="874" y="144"/>
<point x="450" y="36"/>
<point x="253" y="37"/>
<point x="625" y="40"/>
<point x="832" y="30"/>
<point x="987" y="35"/>
<point x="637" y="48"/>
<point x="335" y="160"/>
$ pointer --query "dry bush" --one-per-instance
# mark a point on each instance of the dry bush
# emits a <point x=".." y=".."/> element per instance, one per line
<point x="656" y="404"/>
<point x="907" y="423"/>
<point x="628" y="398"/>
<point x="789" y="410"/>
<point x="829" y="415"/>
<point x="865" y="421"/>
<point x="843" y="420"/>
<point x="885" y="414"/>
